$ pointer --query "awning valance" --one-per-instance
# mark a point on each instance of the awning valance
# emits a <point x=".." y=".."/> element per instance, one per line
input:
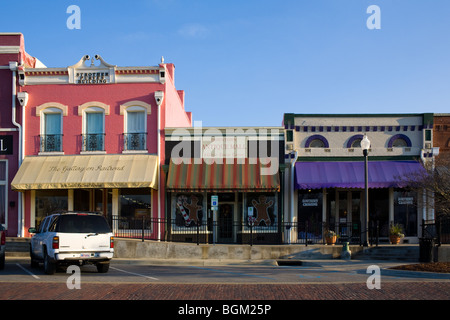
<point x="87" y="171"/>
<point x="239" y="175"/>
<point x="350" y="174"/>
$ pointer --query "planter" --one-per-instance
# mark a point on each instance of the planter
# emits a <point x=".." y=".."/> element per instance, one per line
<point x="394" y="239"/>
<point x="330" y="240"/>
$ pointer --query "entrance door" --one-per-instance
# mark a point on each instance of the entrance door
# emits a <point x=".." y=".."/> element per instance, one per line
<point x="344" y="213"/>
<point x="225" y="222"/>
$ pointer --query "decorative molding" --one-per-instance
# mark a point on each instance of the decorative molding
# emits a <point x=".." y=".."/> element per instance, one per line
<point x="318" y="137"/>
<point x="135" y="103"/>
<point x="353" y="139"/>
<point x="399" y="136"/>
<point x="46" y="105"/>
<point x="90" y="104"/>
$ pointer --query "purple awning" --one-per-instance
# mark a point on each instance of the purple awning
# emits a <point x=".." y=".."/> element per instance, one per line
<point x="350" y="174"/>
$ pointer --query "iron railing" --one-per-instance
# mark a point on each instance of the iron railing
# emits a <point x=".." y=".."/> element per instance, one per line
<point x="51" y="142"/>
<point x="135" y="141"/>
<point x="238" y="232"/>
<point x="93" y="141"/>
<point x="438" y="230"/>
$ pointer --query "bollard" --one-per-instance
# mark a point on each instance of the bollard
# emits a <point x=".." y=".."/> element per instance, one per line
<point x="346" y="254"/>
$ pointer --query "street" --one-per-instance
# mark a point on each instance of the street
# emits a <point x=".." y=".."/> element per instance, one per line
<point x="328" y="279"/>
<point x="237" y="291"/>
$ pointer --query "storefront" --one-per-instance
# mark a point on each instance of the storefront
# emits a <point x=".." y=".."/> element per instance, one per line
<point x="330" y="195"/>
<point x="118" y="186"/>
<point x="328" y="175"/>
<point x="223" y="184"/>
<point x="230" y="202"/>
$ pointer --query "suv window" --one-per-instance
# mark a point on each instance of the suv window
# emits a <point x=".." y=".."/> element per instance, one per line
<point x="43" y="224"/>
<point x="80" y="223"/>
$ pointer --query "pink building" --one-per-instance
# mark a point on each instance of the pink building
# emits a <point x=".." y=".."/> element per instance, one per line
<point x="93" y="139"/>
<point x="12" y="54"/>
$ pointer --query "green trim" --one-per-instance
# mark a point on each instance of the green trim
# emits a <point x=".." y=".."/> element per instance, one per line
<point x="428" y="118"/>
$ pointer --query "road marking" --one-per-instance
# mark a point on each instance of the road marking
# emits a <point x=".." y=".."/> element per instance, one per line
<point x="136" y="274"/>
<point x="27" y="271"/>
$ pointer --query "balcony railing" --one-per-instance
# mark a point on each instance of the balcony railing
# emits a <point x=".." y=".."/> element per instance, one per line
<point x="51" y="143"/>
<point x="135" y="141"/>
<point x="93" y="142"/>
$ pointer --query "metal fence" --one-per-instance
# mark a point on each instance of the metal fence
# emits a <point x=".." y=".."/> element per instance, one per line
<point x="438" y="230"/>
<point x="233" y="232"/>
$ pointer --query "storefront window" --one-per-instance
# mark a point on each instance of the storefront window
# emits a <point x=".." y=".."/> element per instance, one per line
<point x="48" y="202"/>
<point x="264" y="208"/>
<point x="310" y="206"/>
<point x="379" y="210"/>
<point x="405" y="211"/>
<point x="188" y="209"/>
<point x="81" y="199"/>
<point x="135" y="203"/>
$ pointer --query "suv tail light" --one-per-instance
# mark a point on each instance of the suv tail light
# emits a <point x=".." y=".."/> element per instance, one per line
<point x="55" y="243"/>
<point x="3" y="241"/>
<point x="111" y="242"/>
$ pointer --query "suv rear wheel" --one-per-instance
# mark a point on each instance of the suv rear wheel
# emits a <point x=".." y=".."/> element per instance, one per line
<point x="49" y="266"/>
<point x="102" y="267"/>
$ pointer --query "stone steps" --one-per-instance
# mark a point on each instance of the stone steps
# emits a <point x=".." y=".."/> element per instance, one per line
<point x="389" y="252"/>
<point x="17" y="247"/>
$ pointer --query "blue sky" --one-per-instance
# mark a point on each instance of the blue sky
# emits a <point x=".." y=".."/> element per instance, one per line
<point x="245" y="63"/>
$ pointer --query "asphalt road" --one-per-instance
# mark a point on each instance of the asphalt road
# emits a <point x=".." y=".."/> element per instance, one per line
<point x="318" y="272"/>
<point x="318" y="280"/>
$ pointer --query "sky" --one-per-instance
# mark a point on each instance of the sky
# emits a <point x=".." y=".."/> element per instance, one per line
<point x="247" y="62"/>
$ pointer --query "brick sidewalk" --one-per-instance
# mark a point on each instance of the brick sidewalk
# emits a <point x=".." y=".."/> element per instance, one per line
<point x="346" y="291"/>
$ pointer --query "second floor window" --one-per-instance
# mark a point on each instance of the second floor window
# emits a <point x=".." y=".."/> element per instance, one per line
<point x="94" y="130"/>
<point x="51" y="131"/>
<point x="135" y="136"/>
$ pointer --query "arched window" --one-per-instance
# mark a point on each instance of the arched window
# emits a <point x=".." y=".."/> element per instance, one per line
<point x="51" y="132"/>
<point x="93" y="132"/>
<point x="399" y="141"/>
<point x="316" y="141"/>
<point x="355" y="141"/>
<point x="135" y="125"/>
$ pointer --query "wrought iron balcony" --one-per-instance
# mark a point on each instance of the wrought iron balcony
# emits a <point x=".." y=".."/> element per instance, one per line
<point x="135" y="141"/>
<point x="51" y="142"/>
<point x="93" y="142"/>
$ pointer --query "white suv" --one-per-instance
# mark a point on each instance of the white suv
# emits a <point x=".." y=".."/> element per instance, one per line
<point x="72" y="238"/>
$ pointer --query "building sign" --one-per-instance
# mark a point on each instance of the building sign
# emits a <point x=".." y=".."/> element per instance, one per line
<point x="405" y="200"/>
<point x="92" y="77"/>
<point x="214" y="202"/>
<point x="310" y="202"/>
<point x="6" y="145"/>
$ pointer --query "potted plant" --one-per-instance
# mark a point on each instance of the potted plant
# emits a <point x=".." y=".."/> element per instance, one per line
<point x="395" y="233"/>
<point x="330" y="237"/>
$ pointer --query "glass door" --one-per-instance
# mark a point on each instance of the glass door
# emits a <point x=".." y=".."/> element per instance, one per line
<point x="225" y="222"/>
<point x="343" y="213"/>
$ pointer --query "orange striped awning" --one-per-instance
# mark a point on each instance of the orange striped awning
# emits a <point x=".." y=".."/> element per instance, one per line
<point x="239" y="175"/>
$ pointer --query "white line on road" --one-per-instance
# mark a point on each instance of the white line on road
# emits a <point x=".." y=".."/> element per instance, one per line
<point x="27" y="271"/>
<point x="136" y="274"/>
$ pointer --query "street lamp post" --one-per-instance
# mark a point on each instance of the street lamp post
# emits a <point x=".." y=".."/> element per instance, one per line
<point x="365" y="145"/>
